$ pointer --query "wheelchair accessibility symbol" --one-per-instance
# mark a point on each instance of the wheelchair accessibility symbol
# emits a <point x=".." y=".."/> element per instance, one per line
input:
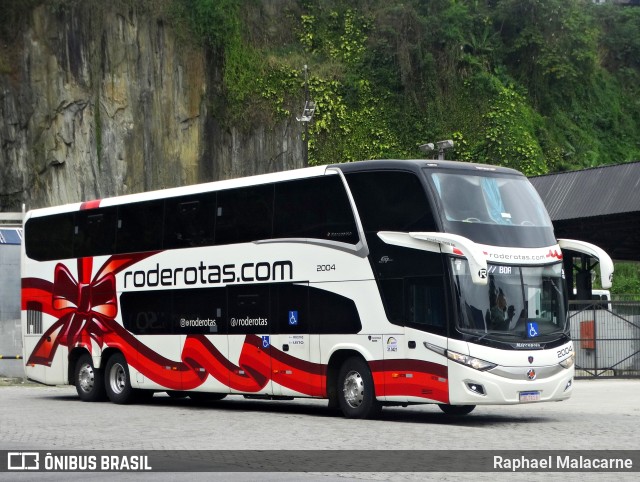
<point x="293" y="318"/>
<point x="532" y="329"/>
<point x="265" y="341"/>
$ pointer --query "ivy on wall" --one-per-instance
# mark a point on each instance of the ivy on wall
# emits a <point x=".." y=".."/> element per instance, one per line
<point x="517" y="82"/>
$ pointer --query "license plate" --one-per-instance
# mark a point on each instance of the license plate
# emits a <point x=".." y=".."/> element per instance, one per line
<point x="529" y="396"/>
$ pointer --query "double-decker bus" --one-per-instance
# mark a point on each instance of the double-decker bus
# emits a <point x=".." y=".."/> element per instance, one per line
<point x="369" y="284"/>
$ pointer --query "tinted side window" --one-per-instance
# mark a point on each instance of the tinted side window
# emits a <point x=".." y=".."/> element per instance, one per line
<point x="332" y="313"/>
<point x="391" y="201"/>
<point x="425" y="304"/>
<point x="248" y="309"/>
<point x="244" y="215"/>
<point x="290" y="308"/>
<point x="50" y="237"/>
<point x="392" y="291"/>
<point x="314" y="208"/>
<point x="147" y="312"/>
<point x="416" y="302"/>
<point x="163" y="312"/>
<point x="189" y="221"/>
<point x="200" y="310"/>
<point x="139" y="227"/>
<point x="95" y="232"/>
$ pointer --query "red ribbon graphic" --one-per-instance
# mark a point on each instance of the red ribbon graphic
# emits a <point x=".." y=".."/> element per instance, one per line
<point x="87" y="304"/>
<point x="86" y="308"/>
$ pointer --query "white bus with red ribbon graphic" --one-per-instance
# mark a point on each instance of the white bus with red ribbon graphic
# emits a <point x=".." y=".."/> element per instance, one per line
<point x="369" y="284"/>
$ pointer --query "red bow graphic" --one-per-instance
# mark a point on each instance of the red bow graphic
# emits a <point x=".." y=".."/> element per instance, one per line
<point x="88" y="304"/>
<point x="85" y="307"/>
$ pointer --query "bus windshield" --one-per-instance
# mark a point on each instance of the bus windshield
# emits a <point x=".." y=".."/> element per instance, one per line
<point x="523" y="302"/>
<point x="509" y="200"/>
<point x="491" y="208"/>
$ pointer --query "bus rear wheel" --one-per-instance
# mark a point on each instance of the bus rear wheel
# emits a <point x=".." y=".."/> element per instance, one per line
<point x="117" y="381"/>
<point x="356" y="394"/>
<point x="456" y="410"/>
<point x="89" y="380"/>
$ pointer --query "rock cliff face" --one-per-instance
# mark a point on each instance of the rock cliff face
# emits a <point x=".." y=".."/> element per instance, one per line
<point x="110" y="104"/>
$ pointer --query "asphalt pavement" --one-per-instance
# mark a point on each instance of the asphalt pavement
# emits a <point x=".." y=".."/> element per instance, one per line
<point x="601" y="415"/>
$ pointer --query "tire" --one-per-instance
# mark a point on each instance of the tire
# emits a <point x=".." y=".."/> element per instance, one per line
<point x="206" y="397"/>
<point x="89" y="380"/>
<point x="456" y="410"/>
<point x="117" y="382"/>
<point x="356" y="394"/>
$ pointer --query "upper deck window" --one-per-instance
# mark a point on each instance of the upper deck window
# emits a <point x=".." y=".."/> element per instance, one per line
<point x="391" y="201"/>
<point x="493" y="200"/>
<point x="492" y="208"/>
<point x="314" y="208"/>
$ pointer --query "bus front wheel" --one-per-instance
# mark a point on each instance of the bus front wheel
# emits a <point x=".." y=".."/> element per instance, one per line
<point x="89" y="380"/>
<point x="356" y="394"/>
<point x="117" y="381"/>
<point x="456" y="410"/>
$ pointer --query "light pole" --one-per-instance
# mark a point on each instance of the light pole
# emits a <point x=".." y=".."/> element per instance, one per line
<point x="442" y="146"/>
<point x="305" y="118"/>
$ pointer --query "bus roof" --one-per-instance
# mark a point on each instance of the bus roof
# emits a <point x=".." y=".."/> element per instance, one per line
<point x="418" y="164"/>
<point x="414" y="165"/>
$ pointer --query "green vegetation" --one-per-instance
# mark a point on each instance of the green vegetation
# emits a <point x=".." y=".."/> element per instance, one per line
<point x="539" y="86"/>
<point x="536" y="85"/>
<point x="627" y="280"/>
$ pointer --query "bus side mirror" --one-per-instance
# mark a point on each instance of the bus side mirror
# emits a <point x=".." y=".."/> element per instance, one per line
<point x="606" y="264"/>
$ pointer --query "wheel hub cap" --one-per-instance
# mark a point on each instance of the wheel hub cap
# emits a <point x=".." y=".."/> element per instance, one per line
<point x="85" y="376"/>
<point x="118" y="378"/>
<point x="353" y="389"/>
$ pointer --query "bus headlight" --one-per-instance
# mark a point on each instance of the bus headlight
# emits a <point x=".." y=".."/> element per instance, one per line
<point x="470" y="361"/>
<point x="569" y="361"/>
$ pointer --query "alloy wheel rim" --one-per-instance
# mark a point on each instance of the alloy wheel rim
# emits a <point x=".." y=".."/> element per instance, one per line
<point x="353" y="389"/>
<point x="118" y="378"/>
<point x="86" y="377"/>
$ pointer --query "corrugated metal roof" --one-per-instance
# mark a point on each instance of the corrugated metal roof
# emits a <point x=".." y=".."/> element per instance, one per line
<point x="598" y="191"/>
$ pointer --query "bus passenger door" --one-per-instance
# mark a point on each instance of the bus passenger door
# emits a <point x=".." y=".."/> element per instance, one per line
<point x="293" y="370"/>
<point x="249" y="338"/>
<point x="410" y="370"/>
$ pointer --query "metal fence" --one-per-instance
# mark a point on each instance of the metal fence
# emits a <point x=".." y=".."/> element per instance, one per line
<point x="606" y="338"/>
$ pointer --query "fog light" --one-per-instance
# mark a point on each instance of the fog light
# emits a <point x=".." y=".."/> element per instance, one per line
<point x="568" y="386"/>
<point x="476" y="388"/>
